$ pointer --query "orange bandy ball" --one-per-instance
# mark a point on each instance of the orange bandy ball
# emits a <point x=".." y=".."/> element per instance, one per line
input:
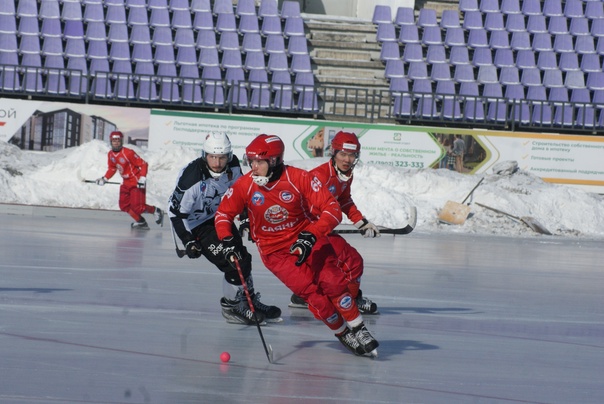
<point x="225" y="357"/>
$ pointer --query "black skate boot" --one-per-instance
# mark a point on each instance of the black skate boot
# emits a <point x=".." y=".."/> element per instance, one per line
<point x="348" y="339"/>
<point x="140" y="225"/>
<point x="272" y="314"/>
<point x="159" y="216"/>
<point x="297" y="302"/>
<point x="238" y="312"/>
<point x="365" y="305"/>
<point x="368" y="343"/>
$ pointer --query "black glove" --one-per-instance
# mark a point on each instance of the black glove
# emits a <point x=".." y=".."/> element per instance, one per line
<point x="303" y="246"/>
<point x="193" y="248"/>
<point x="231" y="250"/>
<point x="244" y="227"/>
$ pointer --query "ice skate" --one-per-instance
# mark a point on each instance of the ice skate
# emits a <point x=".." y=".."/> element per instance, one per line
<point x="368" y="343"/>
<point x="140" y="225"/>
<point x="365" y="305"/>
<point x="348" y="339"/>
<point x="238" y="312"/>
<point x="159" y="216"/>
<point x="272" y="314"/>
<point x="297" y="302"/>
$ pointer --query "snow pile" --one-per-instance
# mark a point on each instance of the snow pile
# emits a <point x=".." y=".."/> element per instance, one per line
<point x="383" y="194"/>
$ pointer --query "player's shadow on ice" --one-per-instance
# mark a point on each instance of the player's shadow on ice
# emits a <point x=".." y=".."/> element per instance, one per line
<point x="386" y="349"/>
<point x="34" y="290"/>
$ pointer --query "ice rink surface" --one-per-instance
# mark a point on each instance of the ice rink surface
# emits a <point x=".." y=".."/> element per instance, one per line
<point x="93" y="312"/>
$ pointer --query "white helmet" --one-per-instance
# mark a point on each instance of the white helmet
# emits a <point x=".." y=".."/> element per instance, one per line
<point x="217" y="143"/>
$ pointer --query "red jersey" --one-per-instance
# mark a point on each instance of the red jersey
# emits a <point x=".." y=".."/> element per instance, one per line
<point x="279" y="211"/>
<point x="326" y="173"/>
<point x="129" y="164"/>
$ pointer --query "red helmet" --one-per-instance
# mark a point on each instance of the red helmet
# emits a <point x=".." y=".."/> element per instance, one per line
<point x="345" y="141"/>
<point x="266" y="147"/>
<point x="116" y="135"/>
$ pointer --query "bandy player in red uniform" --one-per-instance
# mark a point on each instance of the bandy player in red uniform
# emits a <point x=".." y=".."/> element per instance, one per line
<point x="291" y="213"/>
<point x="336" y="176"/>
<point x="133" y="170"/>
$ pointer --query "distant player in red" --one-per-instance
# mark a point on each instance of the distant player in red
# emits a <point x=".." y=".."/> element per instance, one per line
<point x="133" y="170"/>
<point x="291" y="214"/>
<point x="336" y="176"/>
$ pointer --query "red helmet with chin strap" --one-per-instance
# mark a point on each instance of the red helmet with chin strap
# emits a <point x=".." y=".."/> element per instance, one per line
<point x="116" y="135"/>
<point x="345" y="141"/>
<point x="266" y="147"/>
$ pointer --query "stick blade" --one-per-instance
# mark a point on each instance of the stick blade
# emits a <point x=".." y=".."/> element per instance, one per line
<point x="535" y="225"/>
<point x="454" y="213"/>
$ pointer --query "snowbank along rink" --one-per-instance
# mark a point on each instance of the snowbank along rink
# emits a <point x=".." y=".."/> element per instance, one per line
<point x="93" y="312"/>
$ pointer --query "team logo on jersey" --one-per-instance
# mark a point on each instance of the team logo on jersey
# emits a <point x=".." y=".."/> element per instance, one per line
<point x="202" y="187"/>
<point x="345" y="302"/>
<point x="276" y="214"/>
<point x="257" y="199"/>
<point x="122" y="160"/>
<point x="332" y="189"/>
<point x="333" y="318"/>
<point x="315" y="184"/>
<point x="286" y="196"/>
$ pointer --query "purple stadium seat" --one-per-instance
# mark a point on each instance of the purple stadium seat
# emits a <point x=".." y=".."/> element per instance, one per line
<point x="160" y="17"/>
<point x="574" y="79"/>
<point x="135" y="4"/>
<point x="426" y="107"/>
<point x="458" y="55"/>
<point x="408" y="34"/>
<point x="31" y="69"/>
<point x="75" y="47"/>
<point x="29" y="44"/>
<point x="248" y="24"/>
<point x="184" y="37"/>
<point x="440" y="72"/>
<point x="568" y="62"/>
<point x="477" y="38"/>
<point x="8" y="24"/>
<point x="253" y="42"/>
<point x="163" y="54"/>
<point x="290" y="8"/>
<point x="468" y="5"/>
<point x="417" y="70"/>
<point x="97" y="50"/>
<point x="300" y="64"/>
<point x="504" y="58"/>
<point x="142" y="52"/>
<point x="510" y="7"/>
<point x="294" y="26"/>
<point x="308" y="100"/>
<point x="464" y="73"/>
<point x="595" y="81"/>
<point x="101" y="85"/>
<point x="431" y="36"/>
<point x="181" y="19"/>
<point x="206" y="39"/>
<point x="119" y="51"/>
<point x="509" y="76"/>
<point x="514" y="91"/>
<point x="157" y="4"/>
<point x="421" y="88"/>
<point x="445" y="89"/>
<point x="137" y="16"/>
<point x="303" y="79"/>
<point x="226" y="22"/>
<point x="574" y="8"/>
<point x="228" y="41"/>
<point x="557" y="25"/>
<point x="413" y="53"/>
<point x="455" y="37"/>
<point x="268" y="8"/>
<point x="541" y="109"/>
<point x="190" y="85"/>
<point x="579" y="26"/>
<point x="390" y="51"/>
<point x="600" y="47"/>
<point x="95" y="31"/>
<point x="591" y="63"/>
<point x="8" y="8"/>
<point x="558" y="95"/>
<point x="542" y="42"/>
<point x="531" y="77"/>
<point x="186" y="56"/>
<point x="277" y="62"/>
<point x="115" y="14"/>
<point x="499" y="40"/>
<point x="469" y="89"/>
<point x="230" y="58"/>
<point x="594" y="10"/>
<point x="261" y="97"/>
<point x="547" y="60"/>
<point x="238" y="94"/>
<point x="213" y="88"/>
<point x="487" y="74"/>
<point x="28" y="26"/>
<point x="27" y="8"/>
<point x="482" y="57"/>
<point x="222" y="7"/>
<point x="531" y="7"/>
<point x="536" y="24"/>
<point x="274" y="44"/>
<point x="394" y="68"/>
<point x="51" y="27"/>
<point x="386" y="32"/>
<point x="520" y="41"/>
<point x="552" y="8"/>
<point x="435" y="54"/>
<point x="208" y="57"/>
<point x="161" y="36"/>
<point x="297" y="46"/>
<point x="271" y="25"/>
<point x="254" y="60"/>
<point x="597" y="27"/>
<point x="584" y="45"/>
<point x="140" y="34"/>
<point x="203" y="20"/>
<point x="515" y="23"/>
<point x="552" y="78"/>
<point x="472" y="20"/>
<point x="49" y="9"/>
<point x="381" y="13"/>
<point x="449" y="19"/>
<point x="404" y="16"/>
<point x="245" y="7"/>
<point x="177" y="5"/>
<point x="563" y="43"/>
<point x="427" y="18"/>
<point x="494" y="22"/>
<point x="50" y="46"/>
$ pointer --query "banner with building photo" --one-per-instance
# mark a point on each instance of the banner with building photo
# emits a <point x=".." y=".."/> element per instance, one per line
<point x="51" y="126"/>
